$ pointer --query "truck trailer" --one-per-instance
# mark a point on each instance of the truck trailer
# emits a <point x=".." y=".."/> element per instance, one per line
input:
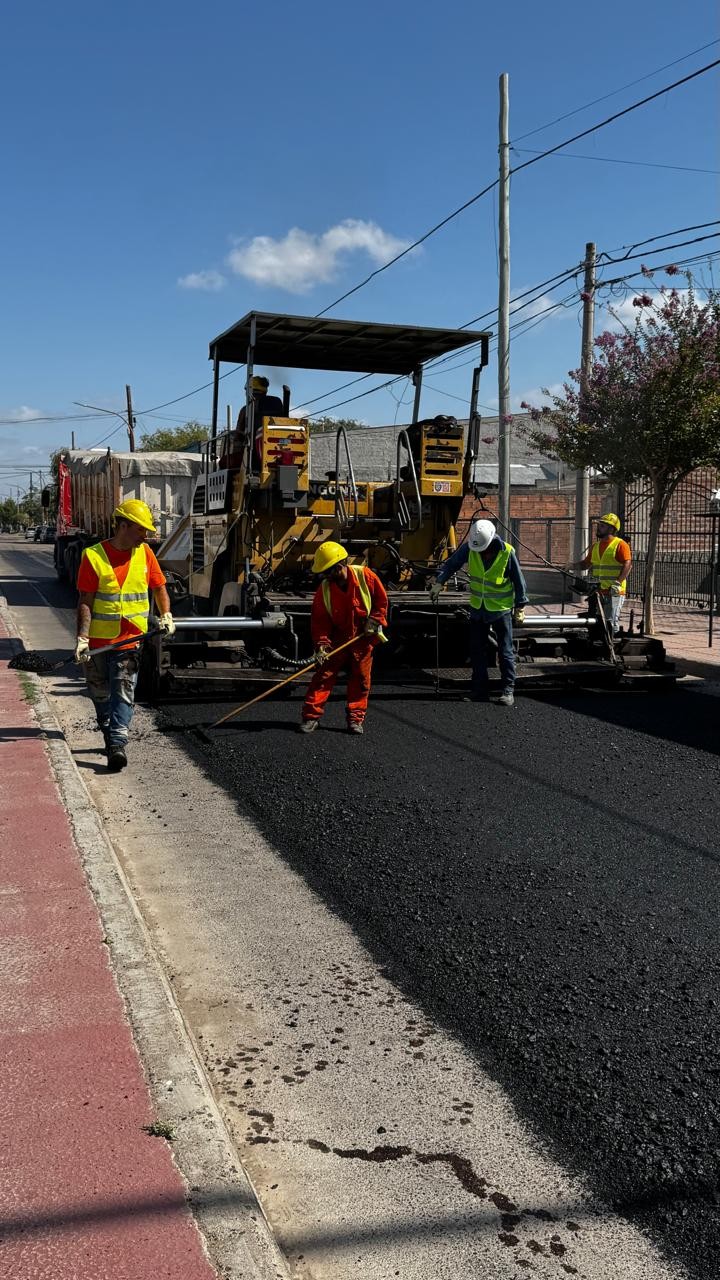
<point x="92" y="484"/>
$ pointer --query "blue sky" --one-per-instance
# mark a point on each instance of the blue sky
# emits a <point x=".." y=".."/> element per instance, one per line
<point x="156" y="143"/>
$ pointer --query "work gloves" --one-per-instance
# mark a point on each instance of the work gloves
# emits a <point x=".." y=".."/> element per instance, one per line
<point x="615" y="589"/>
<point x="435" y="590"/>
<point x="82" y="649"/>
<point x="371" y="627"/>
<point x="320" y="656"/>
<point x="166" y="624"/>
<point x="518" y="617"/>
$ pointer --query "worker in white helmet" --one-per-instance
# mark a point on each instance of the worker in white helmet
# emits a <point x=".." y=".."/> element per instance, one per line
<point x="498" y="596"/>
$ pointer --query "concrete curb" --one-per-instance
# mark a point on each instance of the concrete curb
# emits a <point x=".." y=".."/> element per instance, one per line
<point x="237" y="1235"/>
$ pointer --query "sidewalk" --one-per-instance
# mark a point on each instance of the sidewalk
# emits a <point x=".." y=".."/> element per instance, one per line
<point x="85" y="1192"/>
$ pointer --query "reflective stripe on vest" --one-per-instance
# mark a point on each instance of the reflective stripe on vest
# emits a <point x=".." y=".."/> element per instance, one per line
<point x="606" y="567"/>
<point x="358" y="574"/>
<point x="490" y="588"/>
<point x="111" y="602"/>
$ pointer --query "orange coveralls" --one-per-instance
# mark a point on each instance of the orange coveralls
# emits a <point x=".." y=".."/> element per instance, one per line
<point x="348" y="619"/>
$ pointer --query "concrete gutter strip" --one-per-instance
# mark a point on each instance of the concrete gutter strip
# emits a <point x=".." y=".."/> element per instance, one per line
<point x="227" y="1210"/>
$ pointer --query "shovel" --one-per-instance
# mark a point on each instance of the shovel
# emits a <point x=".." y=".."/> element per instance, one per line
<point x="33" y="660"/>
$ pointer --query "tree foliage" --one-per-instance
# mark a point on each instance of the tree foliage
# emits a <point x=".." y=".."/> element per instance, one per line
<point x="174" y="439"/>
<point x="651" y="407"/>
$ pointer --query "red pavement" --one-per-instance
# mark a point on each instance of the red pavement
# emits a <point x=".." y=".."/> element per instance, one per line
<point x="84" y="1193"/>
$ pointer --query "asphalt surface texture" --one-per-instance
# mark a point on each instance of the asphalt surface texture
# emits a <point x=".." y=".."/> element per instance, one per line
<point x="544" y="882"/>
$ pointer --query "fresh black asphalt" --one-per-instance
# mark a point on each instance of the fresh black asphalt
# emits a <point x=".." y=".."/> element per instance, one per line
<point x="545" y="882"/>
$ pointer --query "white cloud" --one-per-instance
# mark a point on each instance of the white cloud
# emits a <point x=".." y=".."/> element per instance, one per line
<point x="207" y="281"/>
<point x="23" y="414"/>
<point x="303" y="259"/>
<point x="620" y="316"/>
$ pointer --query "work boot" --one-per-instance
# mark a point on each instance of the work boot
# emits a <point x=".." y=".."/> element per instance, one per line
<point x="308" y="726"/>
<point x="354" y="726"/>
<point x="507" y="698"/>
<point x="117" y="759"/>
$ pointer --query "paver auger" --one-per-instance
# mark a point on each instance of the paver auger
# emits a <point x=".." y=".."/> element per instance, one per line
<point x="258" y="516"/>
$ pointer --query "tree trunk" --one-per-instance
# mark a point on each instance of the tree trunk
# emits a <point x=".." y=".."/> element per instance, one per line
<point x="663" y="490"/>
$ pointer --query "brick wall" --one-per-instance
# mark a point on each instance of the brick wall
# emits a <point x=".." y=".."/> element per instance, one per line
<point x="529" y="516"/>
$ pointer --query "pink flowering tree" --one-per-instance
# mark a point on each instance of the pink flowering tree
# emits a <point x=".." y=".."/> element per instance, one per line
<point x="651" y="409"/>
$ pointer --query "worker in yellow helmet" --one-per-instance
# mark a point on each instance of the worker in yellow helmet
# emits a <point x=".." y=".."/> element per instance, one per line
<point x="350" y="601"/>
<point x="609" y="561"/>
<point x="114" y="581"/>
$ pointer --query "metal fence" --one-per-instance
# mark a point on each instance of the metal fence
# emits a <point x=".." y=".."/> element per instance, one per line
<point x="684" y="561"/>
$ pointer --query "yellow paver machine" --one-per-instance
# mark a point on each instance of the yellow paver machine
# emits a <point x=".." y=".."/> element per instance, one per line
<point x="242" y="581"/>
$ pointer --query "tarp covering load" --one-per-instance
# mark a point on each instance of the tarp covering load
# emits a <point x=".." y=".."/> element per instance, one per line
<point x="99" y="481"/>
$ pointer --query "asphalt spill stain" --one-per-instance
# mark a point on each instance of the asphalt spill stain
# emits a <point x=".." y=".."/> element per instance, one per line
<point x="461" y="1167"/>
<point x="378" y="1155"/>
<point x="508" y="1238"/>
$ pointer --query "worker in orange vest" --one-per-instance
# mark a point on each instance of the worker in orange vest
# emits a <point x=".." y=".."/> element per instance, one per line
<point x="350" y="601"/>
<point x="609" y="561"/>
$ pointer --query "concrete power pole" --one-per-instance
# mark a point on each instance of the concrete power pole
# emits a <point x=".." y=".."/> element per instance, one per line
<point x="582" y="482"/>
<point x="130" y="419"/>
<point x="503" y="353"/>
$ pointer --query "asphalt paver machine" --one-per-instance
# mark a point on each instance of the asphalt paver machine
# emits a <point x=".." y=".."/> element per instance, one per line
<point x="259" y="514"/>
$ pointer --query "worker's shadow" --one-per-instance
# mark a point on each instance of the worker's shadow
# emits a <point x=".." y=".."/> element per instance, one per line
<point x="98" y="765"/>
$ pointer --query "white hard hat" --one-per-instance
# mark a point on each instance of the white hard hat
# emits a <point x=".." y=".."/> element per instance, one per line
<point x="482" y="533"/>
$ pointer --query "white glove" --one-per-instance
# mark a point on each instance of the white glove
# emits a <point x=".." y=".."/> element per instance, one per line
<point x="166" y="624"/>
<point x="371" y="627"/>
<point x="435" y="590"/>
<point x="320" y="656"/>
<point x="82" y="649"/>
<point x="518" y="617"/>
<point x="615" y="589"/>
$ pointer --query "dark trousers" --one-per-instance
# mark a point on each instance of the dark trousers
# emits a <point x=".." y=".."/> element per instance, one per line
<point x="111" y="680"/>
<point x="480" y="627"/>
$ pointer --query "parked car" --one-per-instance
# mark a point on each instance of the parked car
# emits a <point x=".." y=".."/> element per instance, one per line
<point x="31" y="534"/>
<point x="48" y="533"/>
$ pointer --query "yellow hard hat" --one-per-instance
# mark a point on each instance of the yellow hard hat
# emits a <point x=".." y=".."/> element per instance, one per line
<point x="137" y="512"/>
<point x="327" y="555"/>
<point x="259" y="384"/>
<point x="609" y="518"/>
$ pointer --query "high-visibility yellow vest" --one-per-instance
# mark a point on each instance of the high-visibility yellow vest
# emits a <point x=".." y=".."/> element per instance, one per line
<point x="490" y="588"/>
<point x="606" y="567"/>
<point x="113" y="602"/>
<point x="358" y="574"/>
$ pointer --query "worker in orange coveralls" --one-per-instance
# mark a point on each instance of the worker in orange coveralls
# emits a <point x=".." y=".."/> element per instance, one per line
<point x="350" y="601"/>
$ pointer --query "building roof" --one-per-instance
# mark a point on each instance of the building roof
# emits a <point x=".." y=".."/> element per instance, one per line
<point x="309" y="342"/>
<point x="374" y="449"/>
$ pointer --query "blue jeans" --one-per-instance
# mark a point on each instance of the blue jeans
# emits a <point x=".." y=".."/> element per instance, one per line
<point x="480" y="627"/>
<point x="111" y="680"/>
<point x="611" y="606"/>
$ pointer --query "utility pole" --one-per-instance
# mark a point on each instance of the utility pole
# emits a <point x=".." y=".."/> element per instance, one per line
<point x="31" y="484"/>
<point x="582" y="481"/>
<point x="72" y="439"/>
<point x="503" y="352"/>
<point x="130" y="419"/>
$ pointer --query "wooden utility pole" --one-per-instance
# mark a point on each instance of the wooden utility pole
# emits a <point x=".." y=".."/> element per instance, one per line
<point x="503" y="352"/>
<point x="72" y="439"/>
<point x="130" y="419"/>
<point x="582" y="481"/>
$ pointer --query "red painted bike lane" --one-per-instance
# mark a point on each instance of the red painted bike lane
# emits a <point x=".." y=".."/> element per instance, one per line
<point x="85" y="1194"/>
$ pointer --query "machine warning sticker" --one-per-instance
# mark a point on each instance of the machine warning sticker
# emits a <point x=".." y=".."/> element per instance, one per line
<point x="441" y="486"/>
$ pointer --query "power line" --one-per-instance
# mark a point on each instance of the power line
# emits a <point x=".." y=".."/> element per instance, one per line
<point x="379" y="270"/>
<point x="541" y="128"/>
<point x="679" y="231"/>
<point x="642" y="164"/>
<point x="618" y="115"/>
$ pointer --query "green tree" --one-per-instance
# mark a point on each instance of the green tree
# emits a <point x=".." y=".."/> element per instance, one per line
<point x="9" y="513"/>
<point x="30" y="509"/>
<point x="174" y="439"/>
<point x="651" y="409"/>
<point x="324" y="426"/>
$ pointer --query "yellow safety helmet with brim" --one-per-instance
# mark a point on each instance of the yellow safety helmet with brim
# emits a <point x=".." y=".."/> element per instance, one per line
<point x="610" y="519"/>
<point x="327" y="556"/>
<point x="137" y="512"/>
